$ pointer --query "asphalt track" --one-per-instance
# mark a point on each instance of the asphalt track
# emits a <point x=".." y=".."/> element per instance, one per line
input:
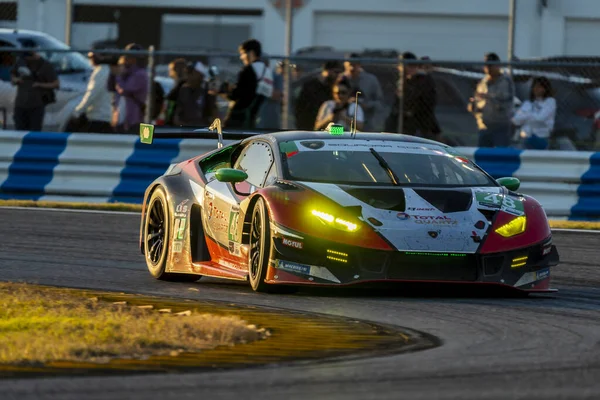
<point x="493" y="348"/>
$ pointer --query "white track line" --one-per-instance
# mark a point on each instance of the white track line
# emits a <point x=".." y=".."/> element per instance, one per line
<point x="137" y="213"/>
<point x="72" y="210"/>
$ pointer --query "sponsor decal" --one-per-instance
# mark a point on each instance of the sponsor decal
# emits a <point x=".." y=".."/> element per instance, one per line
<point x="476" y="238"/>
<point x="490" y="200"/>
<point x="434" y="220"/>
<point x="293" y="267"/>
<point x="214" y="211"/>
<point x="310" y="270"/>
<point x="292" y="243"/>
<point x="177" y="247"/>
<point x="546" y="250"/>
<point x="234" y="248"/>
<point x="513" y="206"/>
<point x="542" y="274"/>
<point x="182" y="207"/>
<point x="403" y="216"/>
<point x="420" y="209"/>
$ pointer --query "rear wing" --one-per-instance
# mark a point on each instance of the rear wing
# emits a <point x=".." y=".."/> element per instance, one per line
<point x="149" y="132"/>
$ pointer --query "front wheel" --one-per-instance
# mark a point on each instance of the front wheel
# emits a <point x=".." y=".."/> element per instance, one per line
<point x="157" y="230"/>
<point x="260" y="250"/>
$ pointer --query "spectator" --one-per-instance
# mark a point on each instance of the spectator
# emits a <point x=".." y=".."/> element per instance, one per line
<point x="418" y="102"/>
<point x="254" y="85"/>
<point x="315" y="92"/>
<point x="130" y="83"/>
<point x="270" y="112"/>
<point x="341" y="109"/>
<point x="195" y="106"/>
<point x="93" y="113"/>
<point x="371" y="98"/>
<point x="177" y="72"/>
<point x="536" y="115"/>
<point x="492" y="105"/>
<point x="36" y="80"/>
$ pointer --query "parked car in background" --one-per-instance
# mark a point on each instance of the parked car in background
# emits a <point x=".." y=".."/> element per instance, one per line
<point x="73" y="71"/>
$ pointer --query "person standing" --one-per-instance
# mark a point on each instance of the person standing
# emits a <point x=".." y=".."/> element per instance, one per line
<point x="254" y="85"/>
<point x="536" y="115"/>
<point x="315" y="92"/>
<point x="341" y="109"/>
<point x="196" y="105"/>
<point x="177" y="72"/>
<point x="93" y="113"/>
<point x="492" y="105"/>
<point x="130" y="85"/>
<point x="371" y="97"/>
<point x="35" y="79"/>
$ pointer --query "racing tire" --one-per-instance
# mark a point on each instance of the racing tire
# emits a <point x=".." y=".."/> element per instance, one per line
<point x="260" y="251"/>
<point x="157" y="232"/>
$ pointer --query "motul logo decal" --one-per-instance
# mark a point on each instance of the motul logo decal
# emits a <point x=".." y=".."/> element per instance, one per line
<point x="292" y="243"/>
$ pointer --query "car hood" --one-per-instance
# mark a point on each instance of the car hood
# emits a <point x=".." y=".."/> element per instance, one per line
<point x="426" y="219"/>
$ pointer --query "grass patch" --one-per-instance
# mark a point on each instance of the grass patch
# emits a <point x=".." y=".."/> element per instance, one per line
<point x="40" y="325"/>
<point x="589" y="225"/>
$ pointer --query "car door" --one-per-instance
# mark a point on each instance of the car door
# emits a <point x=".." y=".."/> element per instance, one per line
<point x="222" y="203"/>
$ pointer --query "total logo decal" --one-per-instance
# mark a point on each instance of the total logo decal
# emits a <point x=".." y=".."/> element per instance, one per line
<point x="292" y="243"/>
<point x="428" y="219"/>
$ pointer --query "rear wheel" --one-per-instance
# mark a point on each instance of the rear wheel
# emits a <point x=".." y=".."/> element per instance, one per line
<point x="157" y="231"/>
<point x="260" y="250"/>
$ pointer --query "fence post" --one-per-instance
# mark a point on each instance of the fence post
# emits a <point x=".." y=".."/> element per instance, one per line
<point x="401" y="97"/>
<point x="287" y="73"/>
<point x="150" y="95"/>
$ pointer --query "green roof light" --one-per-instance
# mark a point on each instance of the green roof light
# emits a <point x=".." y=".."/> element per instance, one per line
<point x="334" y="129"/>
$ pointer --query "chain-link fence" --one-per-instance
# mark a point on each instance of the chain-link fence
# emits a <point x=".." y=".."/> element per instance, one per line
<point x="436" y="95"/>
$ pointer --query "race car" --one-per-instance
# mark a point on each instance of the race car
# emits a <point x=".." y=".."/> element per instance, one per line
<point x="333" y="208"/>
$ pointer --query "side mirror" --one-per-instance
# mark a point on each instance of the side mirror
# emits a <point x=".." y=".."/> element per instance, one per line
<point x="510" y="183"/>
<point x="230" y="175"/>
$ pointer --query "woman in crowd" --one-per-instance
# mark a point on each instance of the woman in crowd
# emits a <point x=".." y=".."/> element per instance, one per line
<point x="536" y="116"/>
<point x="340" y="110"/>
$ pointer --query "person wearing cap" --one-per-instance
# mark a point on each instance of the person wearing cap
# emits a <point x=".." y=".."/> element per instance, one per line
<point x="315" y="92"/>
<point x="36" y="79"/>
<point x="131" y="85"/>
<point x="371" y="97"/>
<point x="93" y="113"/>
<point x="419" y="99"/>
<point x="254" y="85"/>
<point x="492" y="105"/>
<point x="196" y="105"/>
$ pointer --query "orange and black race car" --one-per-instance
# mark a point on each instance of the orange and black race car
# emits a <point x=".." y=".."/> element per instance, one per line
<point x="294" y="208"/>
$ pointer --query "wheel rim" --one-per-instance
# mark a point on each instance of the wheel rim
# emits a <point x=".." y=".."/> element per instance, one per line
<point x="155" y="236"/>
<point x="255" y="244"/>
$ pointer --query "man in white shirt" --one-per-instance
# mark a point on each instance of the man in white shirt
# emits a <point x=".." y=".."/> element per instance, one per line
<point x="93" y="114"/>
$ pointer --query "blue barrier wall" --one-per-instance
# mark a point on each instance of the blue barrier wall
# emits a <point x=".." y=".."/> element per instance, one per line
<point x="118" y="168"/>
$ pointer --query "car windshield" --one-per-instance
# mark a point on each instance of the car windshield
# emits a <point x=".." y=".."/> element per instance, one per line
<point x="65" y="63"/>
<point x="353" y="162"/>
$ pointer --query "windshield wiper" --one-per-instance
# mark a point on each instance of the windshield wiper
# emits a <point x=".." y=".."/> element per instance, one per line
<point x="385" y="166"/>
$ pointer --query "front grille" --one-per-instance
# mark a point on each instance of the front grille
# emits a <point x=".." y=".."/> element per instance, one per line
<point x="432" y="266"/>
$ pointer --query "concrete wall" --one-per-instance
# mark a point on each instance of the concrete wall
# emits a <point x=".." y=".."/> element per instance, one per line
<point x="560" y="28"/>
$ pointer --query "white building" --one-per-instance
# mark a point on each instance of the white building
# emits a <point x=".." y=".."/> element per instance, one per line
<point x="441" y="29"/>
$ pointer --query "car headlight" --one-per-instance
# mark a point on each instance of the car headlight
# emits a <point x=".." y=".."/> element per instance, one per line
<point x="335" y="222"/>
<point x="514" y="227"/>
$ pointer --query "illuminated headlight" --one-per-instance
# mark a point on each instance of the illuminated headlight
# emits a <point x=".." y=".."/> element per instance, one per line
<point x="514" y="227"/>
<point x="335" y="222"/>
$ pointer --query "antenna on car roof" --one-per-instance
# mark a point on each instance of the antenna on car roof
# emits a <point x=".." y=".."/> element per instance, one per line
<point x="353" y="128"/>
<point x="217" y="125"/>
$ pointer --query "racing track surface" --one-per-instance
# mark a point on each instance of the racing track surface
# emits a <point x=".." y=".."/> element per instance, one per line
<point x="494" y="348"/>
